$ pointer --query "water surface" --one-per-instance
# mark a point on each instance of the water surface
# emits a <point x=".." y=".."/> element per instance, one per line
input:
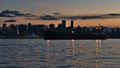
<point x="39" y="53"/>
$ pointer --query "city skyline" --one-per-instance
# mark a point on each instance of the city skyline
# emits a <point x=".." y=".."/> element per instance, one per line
<point x="59" y="32"/>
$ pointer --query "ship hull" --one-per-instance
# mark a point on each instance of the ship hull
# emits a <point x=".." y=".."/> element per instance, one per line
<point x="76" y="36"/>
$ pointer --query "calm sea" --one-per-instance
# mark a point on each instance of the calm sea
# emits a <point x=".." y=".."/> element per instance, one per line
<point x="39" y="53"/>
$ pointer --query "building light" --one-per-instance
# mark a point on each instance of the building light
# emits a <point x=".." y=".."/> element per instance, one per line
<point x="97" y="28"/>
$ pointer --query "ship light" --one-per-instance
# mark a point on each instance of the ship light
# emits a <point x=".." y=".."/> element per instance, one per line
<point x="48" y="27"/>
<point x="73" y="32"/>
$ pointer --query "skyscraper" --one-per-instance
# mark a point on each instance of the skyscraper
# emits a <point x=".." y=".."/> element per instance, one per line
<point x="64" y="23"/>
<point x="72" y="24"/>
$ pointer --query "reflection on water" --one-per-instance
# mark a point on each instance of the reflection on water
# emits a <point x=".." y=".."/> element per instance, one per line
<point x="73" y="53"/>
<point x="73" y="47"/>
<point x="48" y="56"/>
<point x="98" y="41"/>
<point x="38" y="53"/>
<point x="98" y="52"/>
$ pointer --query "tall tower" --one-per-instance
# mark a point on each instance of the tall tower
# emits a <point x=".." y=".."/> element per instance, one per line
<point x="64" y="23"/>
<point x="72" y="23"/>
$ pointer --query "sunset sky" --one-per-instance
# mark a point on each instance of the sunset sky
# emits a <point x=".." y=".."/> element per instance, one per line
<point x="65" y="7"/>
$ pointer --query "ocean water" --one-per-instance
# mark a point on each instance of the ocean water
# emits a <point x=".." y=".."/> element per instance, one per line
<point x="39" y="53"/>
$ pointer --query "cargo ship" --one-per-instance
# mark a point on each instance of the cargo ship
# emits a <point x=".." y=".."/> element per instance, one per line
<point x="52" y="35"/>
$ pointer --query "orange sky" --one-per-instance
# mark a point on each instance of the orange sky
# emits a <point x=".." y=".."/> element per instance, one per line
<point x="114" y="22"/>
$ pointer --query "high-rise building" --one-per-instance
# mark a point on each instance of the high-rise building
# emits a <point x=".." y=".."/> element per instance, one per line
<point x="64" y="23"/>
<point x="51" y="26"/>
<point x="72" y="23"/>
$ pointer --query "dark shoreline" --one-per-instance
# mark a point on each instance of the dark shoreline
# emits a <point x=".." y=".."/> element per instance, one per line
<point x="55" y="39"/>
<point x="23" y="38"/>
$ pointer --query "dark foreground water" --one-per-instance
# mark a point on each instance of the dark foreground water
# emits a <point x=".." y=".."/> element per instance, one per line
<point x="38" y="53"/>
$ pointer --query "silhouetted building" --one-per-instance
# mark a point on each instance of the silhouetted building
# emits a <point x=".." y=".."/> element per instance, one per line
<point x="63" y="23"/>
<point x="4" y="31"/>
<point x="12" y="31"/>
<point x="39" y="30"/>
<point x="51" y="26"/>
<point x="59" y="26"/>
<point x="22" y="30"/>
<point x="72" y="24"/>
<point x="30" y="29"/>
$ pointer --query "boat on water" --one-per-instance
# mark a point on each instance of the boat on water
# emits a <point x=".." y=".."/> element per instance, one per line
<point x="51" y="35"/>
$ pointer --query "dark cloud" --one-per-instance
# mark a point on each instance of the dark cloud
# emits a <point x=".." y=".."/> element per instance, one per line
<point x="81" y="17"/>
<point x="112" y="14"/>
<point x="11" y="20"/>
<point x="15" y="13"/>
<point x="54" y="16"/>
<point x="48" y="17"/>
<point x="90" y="17"/>
<point x="5" y="15"/>
<point x="29" y="15"/>
<point x="105" y="16"/>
